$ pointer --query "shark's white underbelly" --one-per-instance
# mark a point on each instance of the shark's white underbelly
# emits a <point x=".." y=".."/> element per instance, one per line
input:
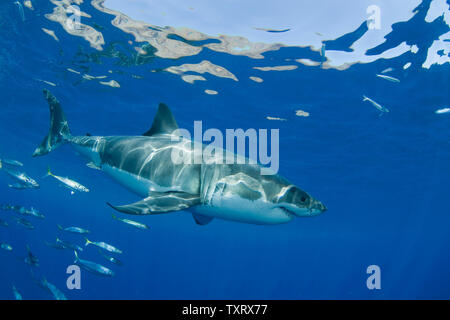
<point x="134" y="183"/>
<point x="221" y="207"/>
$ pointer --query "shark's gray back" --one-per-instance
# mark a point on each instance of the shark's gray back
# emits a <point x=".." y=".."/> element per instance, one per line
<point x="151" y="158"/>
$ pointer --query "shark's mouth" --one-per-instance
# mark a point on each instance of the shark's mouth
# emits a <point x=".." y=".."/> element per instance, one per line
<point x="288" y="212"/>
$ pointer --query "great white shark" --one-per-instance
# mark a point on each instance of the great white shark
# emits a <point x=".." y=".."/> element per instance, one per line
<point x="143" y="164"/>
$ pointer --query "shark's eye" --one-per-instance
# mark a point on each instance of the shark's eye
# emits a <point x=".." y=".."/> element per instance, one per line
<point x="303" y="199"/>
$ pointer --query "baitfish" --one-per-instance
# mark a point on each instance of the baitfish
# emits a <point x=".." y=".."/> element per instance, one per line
<point x="31" y="259"/>
<point x="16" y="293"/>
<point x="392" y="79"/>
<point x="375" y="104"/>
<point x="131" y="222"/>
<point x="57" y="294"/>
<point x="110" y="258"/>
<point x="68" y="183"/>
<point x="73" y="229"/>
<point x="10" y="162"/>
<point x="27" y="224"/>
<point x="93" y="267"/>
<point x="21" y="12"/>
<point x="103" y="245"/>
<point x="68" y="245"/>
<point x="3" y="223"/>
<point x="5" y="246"/>
<point x="21" y="177"/>
<point x="55" y="245"/>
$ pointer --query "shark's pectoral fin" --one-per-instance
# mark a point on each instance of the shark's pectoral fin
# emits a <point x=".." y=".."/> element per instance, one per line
<point x="160" y="202"/>
<point x="201" y="219"/>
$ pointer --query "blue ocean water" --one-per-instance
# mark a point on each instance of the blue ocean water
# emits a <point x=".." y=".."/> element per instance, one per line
<point x="385" y="179"/>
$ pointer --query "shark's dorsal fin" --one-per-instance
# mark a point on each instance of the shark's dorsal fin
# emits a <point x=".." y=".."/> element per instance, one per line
<point x="164" y="122"/>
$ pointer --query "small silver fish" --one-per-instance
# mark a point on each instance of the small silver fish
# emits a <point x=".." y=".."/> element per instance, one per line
<point x="103" y="245"/>
<point x="27" y="224"/>
<point x="18" y="186"/>
<point x="57" y="294"/>
<point x="387" y="70"/>
<point x="92" y="165"/>
<point x="68" y="245"/>
<point x="392" y="79"/>
<point x="5" y="246"/>
<point x="93" y="267"/>
<point x="131" y="222"/>
<point x="21" y="12"/>
<point x="55" y="245"/>
<point x="21" y="177"/>
<point x="16" y="293"/>
<point x="110" y="258"/>
<point x="6" y="207"/>
<point x="28" y="212"/>
<point x="68" y="183"/>
<point x="442" y="111"/>
<point x="31" y="259"/>
<point x="376" y="105"/>
<point x="11" y="162"/>
<point x="73" y="229"/>
<point x="34" y="213"/>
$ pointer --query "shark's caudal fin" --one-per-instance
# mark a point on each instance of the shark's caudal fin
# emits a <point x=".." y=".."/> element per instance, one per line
<point x="164" y="122"/>
<point x="59" y="129"/>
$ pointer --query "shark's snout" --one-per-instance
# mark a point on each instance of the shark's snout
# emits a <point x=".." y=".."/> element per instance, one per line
<point x="317" y="207"/>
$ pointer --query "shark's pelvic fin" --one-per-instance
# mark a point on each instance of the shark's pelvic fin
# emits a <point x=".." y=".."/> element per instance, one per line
<point x="160" y="202"/>
<point x="164" y="122"/>
<point x="59" y="128"/>
<point x="201" y="219"/>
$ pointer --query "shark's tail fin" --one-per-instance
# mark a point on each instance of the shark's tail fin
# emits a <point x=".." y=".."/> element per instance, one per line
<point x="59" y="129"/>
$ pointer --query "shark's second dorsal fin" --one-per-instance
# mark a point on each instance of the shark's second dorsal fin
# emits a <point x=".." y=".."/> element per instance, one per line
<point x="164" y="122"/>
